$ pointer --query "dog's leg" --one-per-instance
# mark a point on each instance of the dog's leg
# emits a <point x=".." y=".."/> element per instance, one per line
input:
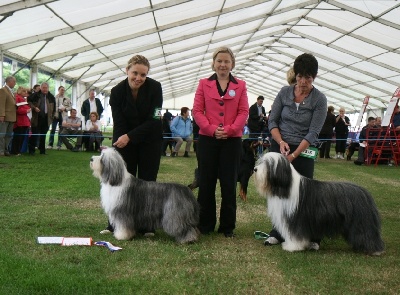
<point x="292" y="245"/>
<point x="122" y="233"/>
<point x="190" y="236"/>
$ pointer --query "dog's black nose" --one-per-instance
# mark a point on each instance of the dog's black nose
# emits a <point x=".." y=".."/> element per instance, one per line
<point x="255" y="169"/>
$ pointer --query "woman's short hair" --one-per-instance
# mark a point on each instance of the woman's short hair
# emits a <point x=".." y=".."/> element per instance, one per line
<point x="138" y="60"/>
<point x="184" y="110"/>
<point x="331" y="109"/>
<point x="94" y="113"/>
<point x="306" y="65"/>
<point x="21" y="89"/>
<point x="223" y="49"/>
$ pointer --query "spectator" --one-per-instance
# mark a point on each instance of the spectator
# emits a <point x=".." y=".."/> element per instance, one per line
<point x="92" y="104"/>
<point x="167" y="115"/>
<point x="93" y="132"/>
<point x="63" y="106"/>
<point x="135" y="104"/>
<point x="296" y="118"/>
<point x="378" y="122"/>
<point x="220" y="109"/>
<point x="43" y="108"/>
<point x="72" y="127"/>
<point x="396" y="118"/>
<point x="35" y="88"/>
<point x="326" y="133"/>
<point x="181" y="128"/>
<point x="8" y="114"/>
<point x="362" y="138"/>
<point x="23" y="122"/>
<point x="342" y="132"/>
<point x="257" y="118"/>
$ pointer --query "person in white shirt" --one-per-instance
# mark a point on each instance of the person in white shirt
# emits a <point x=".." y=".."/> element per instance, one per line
<point x="93" y="133"/>
<point x="92" y="104"/>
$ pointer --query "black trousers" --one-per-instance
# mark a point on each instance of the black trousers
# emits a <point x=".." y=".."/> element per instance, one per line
<point x="218" y="158"/>
<point x="39" y="131"/>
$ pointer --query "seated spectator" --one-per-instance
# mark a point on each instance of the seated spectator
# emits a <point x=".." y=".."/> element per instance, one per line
<point x="396" y="118"/>
<point x="72" y="127"/>
<point x="363" y="144"/>
<point x="93" y="134"/>
<point x="378" y="122"/>
<point x="181" y="128"/>
<point x="166" y="122"/>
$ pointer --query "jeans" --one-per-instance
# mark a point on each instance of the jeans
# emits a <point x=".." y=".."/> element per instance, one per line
<point x="53" y="130"/>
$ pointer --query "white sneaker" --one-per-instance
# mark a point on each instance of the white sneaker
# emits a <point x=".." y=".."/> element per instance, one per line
<point x="271" y="241"/>
<point x="49" y="147"/>
<point x="341" y="157"/>
<point x="58" y="148"/>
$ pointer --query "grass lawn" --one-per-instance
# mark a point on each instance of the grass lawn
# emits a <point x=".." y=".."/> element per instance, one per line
<point x="56" y="195"/>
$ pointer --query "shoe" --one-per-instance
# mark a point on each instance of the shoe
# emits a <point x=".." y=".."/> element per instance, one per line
<point x="149" y="234"/>
<point x="229" y="234"/>
<point x="340" y="157"/>
<point x="49" y="147"/>
<point x="58" y="148"/>
<point x="358" y="162"/>
<point x="313" y="246"/>
<point x="186" y="155"/>
<point x="271" y="241"/>
<point x="105" y="232"/>
<point x="7" y="154"/>
<point x="174" y="154"/>
<point x="328" y="157"/>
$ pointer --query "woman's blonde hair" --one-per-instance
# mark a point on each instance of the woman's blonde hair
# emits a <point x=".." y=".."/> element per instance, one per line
<point x="223" y="49"/>
<point x="138" y="60"/>
<point x="291" y="76"/>
<point x="21" y="89"/>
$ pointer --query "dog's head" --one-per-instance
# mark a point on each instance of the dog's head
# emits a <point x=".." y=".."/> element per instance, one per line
<point x="109" y="167"/>
<point x="273" y="175"/>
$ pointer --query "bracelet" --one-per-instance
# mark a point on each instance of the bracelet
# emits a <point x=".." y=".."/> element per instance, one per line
<point x="281" y="141"/>
<point x="293" y="156"/>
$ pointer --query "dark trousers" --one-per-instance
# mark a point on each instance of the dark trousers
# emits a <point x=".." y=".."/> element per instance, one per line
<point x="40" y="132"/>
<point x="304" y="166"/>
<point x="56" y="121"/>
<point x="218" y="158"/>
<point x="341" y="140"/>
<point x="325" y="148"/>
<point x="19" y="136"/>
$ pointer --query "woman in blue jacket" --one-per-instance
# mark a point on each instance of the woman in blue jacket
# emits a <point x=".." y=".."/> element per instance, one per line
<point x="182" y="129"/>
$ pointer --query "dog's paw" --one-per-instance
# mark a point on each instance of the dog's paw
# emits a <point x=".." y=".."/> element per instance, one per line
<point x="271" y="241"/>
<point x="293" y="246"/>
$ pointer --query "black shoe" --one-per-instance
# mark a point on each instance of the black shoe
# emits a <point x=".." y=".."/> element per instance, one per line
<point x="174" y="154"/>
<point x="76" y="149"/>
<point x="358" y="163"/>
<point x="186" y="155"/>
<point x="229" y="234"/>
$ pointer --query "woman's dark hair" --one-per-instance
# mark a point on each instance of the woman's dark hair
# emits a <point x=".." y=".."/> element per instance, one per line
<point x="184" y="110"/>
<point x="306" y="65"/>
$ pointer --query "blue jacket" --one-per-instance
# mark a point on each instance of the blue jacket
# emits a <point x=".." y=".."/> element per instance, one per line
<point x="181" y="127"/>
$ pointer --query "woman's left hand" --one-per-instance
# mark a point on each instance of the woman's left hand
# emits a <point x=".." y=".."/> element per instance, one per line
<point x="122" y="141"/>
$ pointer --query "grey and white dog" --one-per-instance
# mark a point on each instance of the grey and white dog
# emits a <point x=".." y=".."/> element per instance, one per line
<point x="134" y="205"/>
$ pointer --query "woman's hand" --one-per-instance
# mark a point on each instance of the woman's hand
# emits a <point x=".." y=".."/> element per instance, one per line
<point x="122" y="141"/>
<point x="220" y="133"/>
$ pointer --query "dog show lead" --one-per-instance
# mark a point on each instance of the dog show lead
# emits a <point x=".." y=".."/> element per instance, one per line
<point x="297" y="116"/>
<point x="136" y="104"/>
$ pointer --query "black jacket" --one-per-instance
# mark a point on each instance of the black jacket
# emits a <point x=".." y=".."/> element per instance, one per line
<point x="136" y="118"/>
<point x="254" y="123"/>
<point x="85" y="109"/>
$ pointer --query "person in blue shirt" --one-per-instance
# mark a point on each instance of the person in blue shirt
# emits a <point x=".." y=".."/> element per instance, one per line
<point x="182" y="129"/>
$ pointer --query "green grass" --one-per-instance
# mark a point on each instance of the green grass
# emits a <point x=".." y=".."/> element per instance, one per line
<point x="56" y="195"/>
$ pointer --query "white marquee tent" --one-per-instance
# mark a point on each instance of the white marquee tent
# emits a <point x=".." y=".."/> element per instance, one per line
<point x="357" y="43"/>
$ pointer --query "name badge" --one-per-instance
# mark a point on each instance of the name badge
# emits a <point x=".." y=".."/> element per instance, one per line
<point x="232" y="93"/>
<point x="311" y="153"/>
<point x="157" y="113"/>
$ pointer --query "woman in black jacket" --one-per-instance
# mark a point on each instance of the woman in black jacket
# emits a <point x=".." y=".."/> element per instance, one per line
<point x="136" y="110"/>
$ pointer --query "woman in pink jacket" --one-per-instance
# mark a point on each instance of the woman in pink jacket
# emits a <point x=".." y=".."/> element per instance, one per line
<point x="220" y="109"/>
<point x="23" y="123"/>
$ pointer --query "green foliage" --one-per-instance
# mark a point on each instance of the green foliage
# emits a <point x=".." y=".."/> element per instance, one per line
<point x="56" y="195"/>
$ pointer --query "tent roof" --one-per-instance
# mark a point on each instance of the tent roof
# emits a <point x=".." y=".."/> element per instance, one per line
<point x="356" y="43"/>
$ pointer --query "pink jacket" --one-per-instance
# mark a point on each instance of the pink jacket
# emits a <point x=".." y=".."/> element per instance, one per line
<point x="22" y="117"/>
<point x="210" y="110"/>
